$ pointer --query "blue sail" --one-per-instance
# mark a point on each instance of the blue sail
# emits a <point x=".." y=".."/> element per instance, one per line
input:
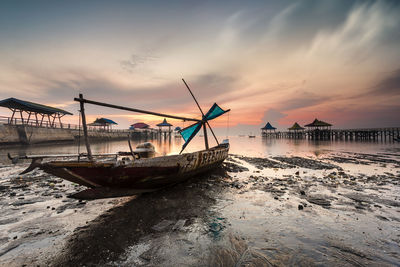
<point x="189" y="132"/>
<point x="214" y="112"/>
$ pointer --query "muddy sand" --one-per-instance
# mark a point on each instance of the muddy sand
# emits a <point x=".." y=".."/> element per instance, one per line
<point x="343" y="209"/>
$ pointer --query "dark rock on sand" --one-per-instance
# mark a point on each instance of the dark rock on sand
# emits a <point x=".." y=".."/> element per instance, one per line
<point x="307" y="163"/>
<point x="9" y="220"/>
<point x="262" y="163"/>
<point x="319" y="200"/>
<point x="233" y="167"/>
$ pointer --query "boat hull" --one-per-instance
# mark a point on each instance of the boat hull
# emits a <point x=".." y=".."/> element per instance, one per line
<point x="139" y="174"/>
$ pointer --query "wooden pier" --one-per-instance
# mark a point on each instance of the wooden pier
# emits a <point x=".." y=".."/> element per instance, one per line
<point x="371" y="134"/>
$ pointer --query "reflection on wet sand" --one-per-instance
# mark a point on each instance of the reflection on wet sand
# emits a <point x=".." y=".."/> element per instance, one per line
<point x="274" y="203"/>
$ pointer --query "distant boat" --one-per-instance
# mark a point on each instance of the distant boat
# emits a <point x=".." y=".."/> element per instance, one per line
<point x="397" y="139"/>
<point x="252" y="136"/>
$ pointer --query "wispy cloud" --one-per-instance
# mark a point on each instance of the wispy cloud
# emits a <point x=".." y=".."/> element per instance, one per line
<point x="388" y="86"/>
<point x="136" y="60"/>
<point x="303" y="59"/>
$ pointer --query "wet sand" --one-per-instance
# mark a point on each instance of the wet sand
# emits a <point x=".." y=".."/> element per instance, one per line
<point x="339" y="209"/>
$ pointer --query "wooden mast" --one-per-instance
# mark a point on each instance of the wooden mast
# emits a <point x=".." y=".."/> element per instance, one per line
<point x="204" y="119"/>
<point x="205" y="135"/>
<point x="85" y="133"/>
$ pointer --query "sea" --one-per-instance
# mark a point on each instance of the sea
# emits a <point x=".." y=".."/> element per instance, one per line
<point x="252" y="147"/>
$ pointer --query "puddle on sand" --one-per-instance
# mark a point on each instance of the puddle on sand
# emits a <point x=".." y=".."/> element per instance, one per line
<point x="290" y="216"/>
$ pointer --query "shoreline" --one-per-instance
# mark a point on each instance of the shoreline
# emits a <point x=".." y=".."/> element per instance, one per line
<point x="254" y="210"/>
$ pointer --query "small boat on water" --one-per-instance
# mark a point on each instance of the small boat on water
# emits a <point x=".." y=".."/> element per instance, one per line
<point x="397" y="139"/>
<point x="138" y="170"/>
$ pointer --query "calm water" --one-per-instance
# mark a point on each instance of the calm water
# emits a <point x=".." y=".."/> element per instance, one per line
<point x="257" y="147"/>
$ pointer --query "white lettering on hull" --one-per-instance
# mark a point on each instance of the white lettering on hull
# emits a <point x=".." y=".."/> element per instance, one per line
<point x="202" y="158"/>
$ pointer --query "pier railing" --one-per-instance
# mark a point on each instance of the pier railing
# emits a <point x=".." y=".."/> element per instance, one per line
<point x="47" y="124"/>
<point x="32" y="123"/>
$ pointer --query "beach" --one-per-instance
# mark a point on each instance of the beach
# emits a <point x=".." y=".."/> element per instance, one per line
<point x="272" y="203"/>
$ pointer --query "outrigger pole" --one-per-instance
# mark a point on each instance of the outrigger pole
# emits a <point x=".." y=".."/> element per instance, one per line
<point x="83" y="100"/>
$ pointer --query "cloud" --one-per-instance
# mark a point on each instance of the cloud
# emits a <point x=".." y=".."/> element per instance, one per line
<point x="210" y="87"/>
<point x="364" y="28"/>
<point x="296" y="26"/>
<point x="137" y="60"/>
<point x="272" y="116"/>
<point x="303" y="99"/>
<point x="388" y="86"/>
<point x="59" y="87"/>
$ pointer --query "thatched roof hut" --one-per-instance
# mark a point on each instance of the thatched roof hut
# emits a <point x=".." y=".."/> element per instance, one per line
<point x="296" y="127"/>
<point x="269" y="127"/>
<point x="317" y="124"/>
<point x="164" y="124"/>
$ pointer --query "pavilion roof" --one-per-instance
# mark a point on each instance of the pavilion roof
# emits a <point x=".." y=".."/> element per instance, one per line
<point x="140" y="125"/>
<point x="318" y="123"/>
<point x="296" y="126"/>
<point x="268" y="126"/>
<point x="164" y="123"/>
<point x="23" y="105"/>
<point x="102" y="122"/>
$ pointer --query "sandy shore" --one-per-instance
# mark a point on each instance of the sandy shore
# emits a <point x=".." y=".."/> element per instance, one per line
<point x="343" y="208"/>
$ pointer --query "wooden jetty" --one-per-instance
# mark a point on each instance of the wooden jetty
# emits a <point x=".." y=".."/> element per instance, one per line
<point x="320" y="130"/>
<point x="367" y="134"/>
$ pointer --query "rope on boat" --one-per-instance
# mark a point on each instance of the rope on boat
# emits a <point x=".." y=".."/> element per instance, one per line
<point x="227" y="127"/>
<point x="79" y="136"/>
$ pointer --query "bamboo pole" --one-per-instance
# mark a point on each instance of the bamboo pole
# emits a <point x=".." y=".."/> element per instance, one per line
<point x="82" y="100"/>
<point x="89" y="151"/>
<point x="205" y="135"/>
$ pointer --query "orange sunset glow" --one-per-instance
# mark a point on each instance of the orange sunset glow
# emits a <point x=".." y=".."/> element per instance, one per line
<point x="278" y="61"/>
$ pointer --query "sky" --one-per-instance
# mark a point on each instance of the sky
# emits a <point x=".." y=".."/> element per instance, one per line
<point x="278" y="61"/>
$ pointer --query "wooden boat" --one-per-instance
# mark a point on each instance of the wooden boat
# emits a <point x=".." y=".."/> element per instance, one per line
<point x="145" y="174"/>
<point x="137" y="171"/>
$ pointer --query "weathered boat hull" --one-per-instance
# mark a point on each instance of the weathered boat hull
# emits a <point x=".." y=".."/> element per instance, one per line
<point x="141" y="174"/>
